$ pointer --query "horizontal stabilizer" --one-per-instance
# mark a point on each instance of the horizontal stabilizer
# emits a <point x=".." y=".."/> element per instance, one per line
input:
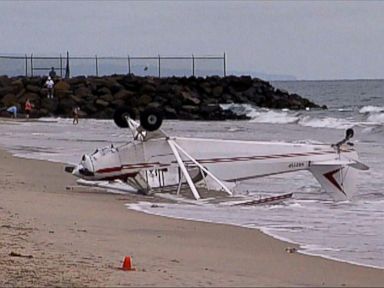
<point x="358" y="165"/>
<point x="352" y="163"/>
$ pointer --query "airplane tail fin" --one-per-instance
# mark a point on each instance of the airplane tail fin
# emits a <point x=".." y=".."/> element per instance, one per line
<point x="336" y="177"/>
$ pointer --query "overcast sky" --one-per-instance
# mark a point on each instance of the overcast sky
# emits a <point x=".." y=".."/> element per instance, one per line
<point x="306" y="39"/>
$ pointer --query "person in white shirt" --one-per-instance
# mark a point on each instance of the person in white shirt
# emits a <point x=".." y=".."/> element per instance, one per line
<point x="49" y="84"/>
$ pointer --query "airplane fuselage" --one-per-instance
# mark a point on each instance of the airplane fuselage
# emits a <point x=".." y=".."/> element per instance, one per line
<point x="228" y="160"/>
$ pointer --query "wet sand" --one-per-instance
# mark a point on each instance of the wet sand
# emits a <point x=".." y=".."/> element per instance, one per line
<point x="53" y="235"/>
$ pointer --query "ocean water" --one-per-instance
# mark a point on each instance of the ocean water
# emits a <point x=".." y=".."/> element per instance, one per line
<point x="351" y="231"/>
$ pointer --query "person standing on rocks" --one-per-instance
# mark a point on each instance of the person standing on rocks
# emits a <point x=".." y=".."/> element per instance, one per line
<point x="52" y="73"/>
<point x="49" y="84"/>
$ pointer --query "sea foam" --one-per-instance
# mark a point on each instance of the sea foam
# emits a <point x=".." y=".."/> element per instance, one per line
<point x="371" y="109"/>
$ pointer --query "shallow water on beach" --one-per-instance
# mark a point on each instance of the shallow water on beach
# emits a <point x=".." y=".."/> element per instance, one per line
<point x="351" y="231"/>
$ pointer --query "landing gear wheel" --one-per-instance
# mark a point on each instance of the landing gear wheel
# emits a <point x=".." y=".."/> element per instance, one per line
<point x="120" y="116"/>
<point x="151" y="119"/>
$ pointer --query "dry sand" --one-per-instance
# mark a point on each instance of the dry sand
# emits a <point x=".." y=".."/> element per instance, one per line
<point x="54" y="236"/>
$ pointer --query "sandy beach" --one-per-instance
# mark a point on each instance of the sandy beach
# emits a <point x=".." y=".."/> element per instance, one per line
<point x="53" y="235"/>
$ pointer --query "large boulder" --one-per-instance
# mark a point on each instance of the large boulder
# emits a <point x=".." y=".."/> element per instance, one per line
<point x="148" y="89"/>
<point x="163" y="88"/>
<point x="48" y="106"/>
<point x="106" y="97"/>
<point x="169" y="112"/>
<point x="217" y="91"/>
<point x="90" y="108"/>
<point x="5" y="81"/>
<point x="6" y="90"/>
<point x="83" y="92"/>
<point x="189" y="98"/>
<point x="33" y="97"/>
<point x="123" y="94"/>
<point x="62" y="89"/>
<point x="116" y="87"/>
<point x="118" y="103"/>
<point x="17" y="85"/>
<point x="205" y="88"/>
<point x="9" y="100"/>
<point x="33" y="88"/>
<point x="101" y="103"/>
<point x="190" y="108"/>
<point x="144" y="100"/>
<point x="76" y="81"/>
<point x="65" y="106"/>
<point x="103" y="90"/>
<point x="78" y="100"/>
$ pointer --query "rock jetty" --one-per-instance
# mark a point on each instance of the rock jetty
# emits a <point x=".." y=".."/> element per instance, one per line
<point x="189" y="98"/>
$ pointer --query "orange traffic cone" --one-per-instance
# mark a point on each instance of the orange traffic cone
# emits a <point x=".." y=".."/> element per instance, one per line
<point x="127" y="265"/>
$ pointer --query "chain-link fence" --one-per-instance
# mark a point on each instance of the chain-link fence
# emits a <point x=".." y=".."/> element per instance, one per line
<point x="68" y="66"/>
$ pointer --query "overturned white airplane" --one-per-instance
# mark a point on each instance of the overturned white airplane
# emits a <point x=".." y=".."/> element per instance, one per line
<point x="154" y="159"/>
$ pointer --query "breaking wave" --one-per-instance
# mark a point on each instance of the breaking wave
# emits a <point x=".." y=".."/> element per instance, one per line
<point x="274" y="117"/>
<point x="373" y="115"/>
<point x="286" y="116"/>
<point x="376" y="118"/>
<point x="371" y="109"/>
<point x="327" y="122"/>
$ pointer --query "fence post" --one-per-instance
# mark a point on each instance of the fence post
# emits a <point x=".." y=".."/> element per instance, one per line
<point x="31" y="65"/>
<point x="193" y="65"/>
<point x="61" y="66"/>
<point x="26" y="65"/>
<point x="97" y="67"/>
<point x="67" y="67"/>
<point x="225" y="66"/>
<point x="159" y="65"/>
<point x="129" y="65"/>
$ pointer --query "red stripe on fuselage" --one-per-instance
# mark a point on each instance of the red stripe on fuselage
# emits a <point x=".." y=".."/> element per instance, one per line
<point x="215" y="160"/>
<point x="263" y="157"/>
<point x="128" y="166"/>
<point x="109" y="170"/>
